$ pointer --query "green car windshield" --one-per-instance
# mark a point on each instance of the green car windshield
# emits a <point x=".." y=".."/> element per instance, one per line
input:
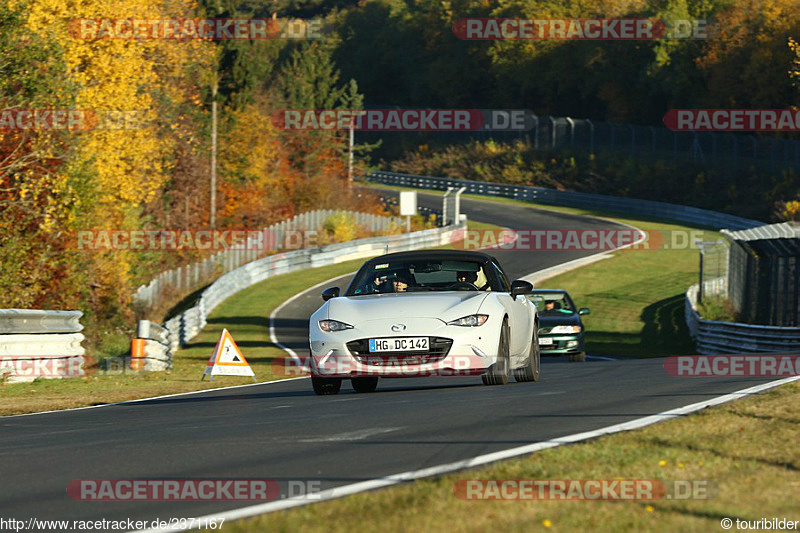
<point x="552" y="304"/>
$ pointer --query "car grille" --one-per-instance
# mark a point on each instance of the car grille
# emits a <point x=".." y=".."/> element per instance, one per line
<point x="439" y="348"/>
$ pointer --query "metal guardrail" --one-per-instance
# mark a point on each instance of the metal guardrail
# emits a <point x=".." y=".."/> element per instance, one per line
<point x="717" y="337"/>
<point x="44" y="345"/>
<point x="37" y="343"/>
<point x="185" y="326"/>
<point x="601" y="202"/>
<point x="39" y="321"/>
<point x="197" y="274"/>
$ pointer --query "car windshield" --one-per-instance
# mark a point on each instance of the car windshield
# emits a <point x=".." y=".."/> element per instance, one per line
<point x="421" y="275"/>
<point x="552" y="304"/>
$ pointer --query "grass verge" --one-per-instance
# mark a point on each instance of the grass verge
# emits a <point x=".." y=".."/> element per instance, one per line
<point x="747" y="449"/>
<point x="636" y="297"/>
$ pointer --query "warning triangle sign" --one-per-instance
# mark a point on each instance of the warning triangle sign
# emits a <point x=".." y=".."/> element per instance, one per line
<point x="227" y="359"/>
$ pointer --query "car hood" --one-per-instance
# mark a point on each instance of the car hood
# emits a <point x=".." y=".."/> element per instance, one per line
<point x="572" y="319"/>
<point x="445" y="306"/>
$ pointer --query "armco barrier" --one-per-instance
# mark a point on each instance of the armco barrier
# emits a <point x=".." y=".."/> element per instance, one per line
<point x="184" y="327"/>
<point x="36" y="343"/>
<point x="195" y="275"/>
<point x="600" y="202"/>
<point x="38" y="321"/>
<point x="716" y="337"/>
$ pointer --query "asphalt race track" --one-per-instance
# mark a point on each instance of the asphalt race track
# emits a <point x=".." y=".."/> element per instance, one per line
<point x="282" y="431"/>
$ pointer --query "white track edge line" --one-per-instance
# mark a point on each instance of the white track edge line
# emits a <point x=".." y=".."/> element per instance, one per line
<point x="395" y="479"/>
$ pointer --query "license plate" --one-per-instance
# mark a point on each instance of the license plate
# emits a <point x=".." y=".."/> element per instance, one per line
<point x="544" y="341"/>
<point x="405" y="344"/>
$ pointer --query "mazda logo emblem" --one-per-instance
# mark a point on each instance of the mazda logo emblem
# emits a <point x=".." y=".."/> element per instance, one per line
<point x="398" y="327"/>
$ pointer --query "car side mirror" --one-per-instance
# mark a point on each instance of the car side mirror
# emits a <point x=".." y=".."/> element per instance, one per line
<point x="584" y="311"/>
<point x="519" y="287"/>
<point x="332" y="292"/>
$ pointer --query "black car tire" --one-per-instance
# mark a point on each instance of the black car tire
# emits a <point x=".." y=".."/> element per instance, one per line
<point x="326" y="386"/>
<point x="497" y="374"/>
<point x="533" y="369"/>
<point x="364" y="384"/>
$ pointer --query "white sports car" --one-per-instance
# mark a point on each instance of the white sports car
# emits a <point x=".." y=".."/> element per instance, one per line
<point x="411" y="314"/>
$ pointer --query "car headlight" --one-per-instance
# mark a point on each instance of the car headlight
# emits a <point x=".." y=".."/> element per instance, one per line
<point x="333" y="325"/>
<point x="470" y="321"/>
<point x="565" y="329"/>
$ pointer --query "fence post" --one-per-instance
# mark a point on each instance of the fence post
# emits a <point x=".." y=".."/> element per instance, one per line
<point x="653" y="132"/>
<point x="613" y="134"/>
<point x="571" y="131"/>
<point x="633" y="139"/>
<point x="714" y="147"/>
<point x="591" y="136"/>
<point x="675" y="145"/>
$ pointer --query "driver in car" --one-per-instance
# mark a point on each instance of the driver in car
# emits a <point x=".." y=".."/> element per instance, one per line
<point x="401" y="282"/>
<point x="471" y="278"/>
<point x="467" y="277"/>
<point x="552" y="307"/>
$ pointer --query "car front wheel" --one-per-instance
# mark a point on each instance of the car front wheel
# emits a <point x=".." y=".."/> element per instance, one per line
<point x="532" y="370"/>
<point x="498" y="372"/>
<point x="364" y="384"/>
<point x="577" y="357"/>
<point x="326" y="386"/>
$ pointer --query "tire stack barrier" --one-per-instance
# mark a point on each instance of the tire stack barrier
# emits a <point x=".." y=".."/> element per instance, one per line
<point x="151" y="350"/>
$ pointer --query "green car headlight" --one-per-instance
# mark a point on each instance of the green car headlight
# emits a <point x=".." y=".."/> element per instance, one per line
<point x="565" y="329"/>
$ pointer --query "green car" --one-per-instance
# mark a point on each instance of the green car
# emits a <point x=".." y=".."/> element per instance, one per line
<point x="560" y="326"/>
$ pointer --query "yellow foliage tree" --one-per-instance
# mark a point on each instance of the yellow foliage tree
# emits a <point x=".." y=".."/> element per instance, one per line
<point x="123" y="165"/>
<point x="122" y="75"/>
